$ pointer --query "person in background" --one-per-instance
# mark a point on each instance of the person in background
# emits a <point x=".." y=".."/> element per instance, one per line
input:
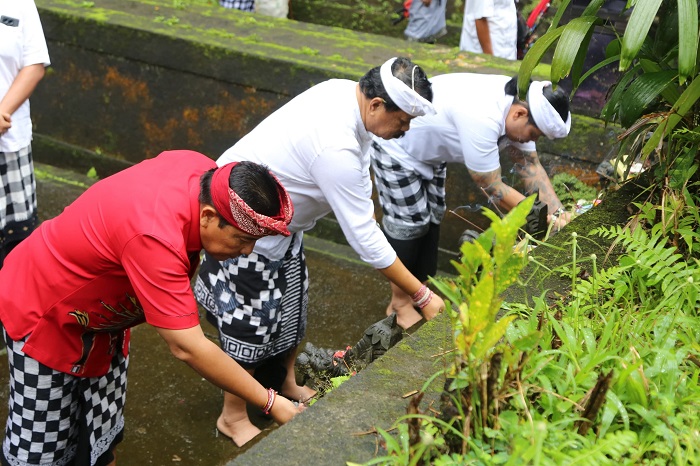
<point x="476" y="114"/>
<point x="23" y="58"/>
<point x="490" y="27"/>
<point x="317" y="145"/>
<point x="243" y="5"/>
<point x="426" y="21"/>
<point x="274" y="8"/>
<point x="122" y="254"/>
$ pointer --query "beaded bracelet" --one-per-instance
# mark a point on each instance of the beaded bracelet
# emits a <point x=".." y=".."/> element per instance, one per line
<point x="271" y="394"/>
<point x="422" y="297"/>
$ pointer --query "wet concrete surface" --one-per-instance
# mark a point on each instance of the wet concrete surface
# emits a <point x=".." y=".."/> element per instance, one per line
<point x="171" y="411"/>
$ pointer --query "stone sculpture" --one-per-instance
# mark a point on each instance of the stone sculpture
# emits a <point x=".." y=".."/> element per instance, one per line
<point x="315" y="363"/>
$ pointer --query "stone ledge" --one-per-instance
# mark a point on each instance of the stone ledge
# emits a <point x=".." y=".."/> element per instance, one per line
<point x="338" y="428"/>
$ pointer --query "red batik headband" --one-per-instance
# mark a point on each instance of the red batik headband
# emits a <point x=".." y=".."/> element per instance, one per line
<point x="239" y="214"/>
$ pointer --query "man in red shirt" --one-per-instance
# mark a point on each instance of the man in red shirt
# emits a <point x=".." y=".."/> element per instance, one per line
<point x="122" y="254"/>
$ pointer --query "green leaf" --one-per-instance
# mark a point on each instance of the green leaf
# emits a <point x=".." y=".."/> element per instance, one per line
<point x="687" y="38"/>
<point x="613" y="48"/>
<point x="559" y="13"/>
<point x="580" y="60"/>
<point x="480" y="304"/>
<point x="684" y="103"/>
<point x="593" y="7"/>
<point x="490" y="337"/>
<point x="670" y="93"/>
<point x="612" y="106"/>
<point x="573" y="40"/>
<point x="447" y="289"/>
<point x="688" y="98"/>
<point x="509" y="271"/>
<point x="533" y="57"/>
<point x="337" y="381"/>
<point x="598" y="66"/>
<point x="528" y="342"/>
<point x="637" y="30"/>
<point x="641" y="93"/>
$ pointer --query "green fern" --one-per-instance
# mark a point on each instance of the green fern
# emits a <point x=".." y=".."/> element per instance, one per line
<point x="608" y="450"/>
<point x="658" y="271"/>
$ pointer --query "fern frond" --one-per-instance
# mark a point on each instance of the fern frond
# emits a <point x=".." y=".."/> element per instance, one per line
<point x="607" y="450"/>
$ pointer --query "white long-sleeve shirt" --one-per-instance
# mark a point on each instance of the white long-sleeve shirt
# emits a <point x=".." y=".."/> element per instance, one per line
<point x="317" y="146"/>
<point x="468" y="127"/>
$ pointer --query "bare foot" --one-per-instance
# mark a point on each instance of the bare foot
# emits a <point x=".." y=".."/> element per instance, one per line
<point x="240" y="431"/>
<point x="297" y="393"/>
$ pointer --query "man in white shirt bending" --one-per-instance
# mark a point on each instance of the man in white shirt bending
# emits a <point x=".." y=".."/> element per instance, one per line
<point x="475" y="115"/>
<point x="318" y="146"/>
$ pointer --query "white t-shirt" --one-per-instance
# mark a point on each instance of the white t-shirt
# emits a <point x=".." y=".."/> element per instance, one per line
<point x="317" y="146"/>
<point x="467" y="128"/>
<point x="22" y="44"/>
<point x="502" y="17"/>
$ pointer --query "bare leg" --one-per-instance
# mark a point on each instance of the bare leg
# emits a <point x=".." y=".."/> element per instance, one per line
<point x="234" y="422"/>
<point x="402" y="305"/>
<point x="290" y="389"/>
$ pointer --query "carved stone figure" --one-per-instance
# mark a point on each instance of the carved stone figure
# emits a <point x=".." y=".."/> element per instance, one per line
<point x="378" y="338"/>
<point x="314" y="363"/>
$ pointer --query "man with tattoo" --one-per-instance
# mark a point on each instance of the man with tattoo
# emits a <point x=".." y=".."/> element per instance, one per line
<point x="476" y="117"/>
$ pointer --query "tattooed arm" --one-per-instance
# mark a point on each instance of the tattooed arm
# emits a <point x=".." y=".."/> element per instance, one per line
<point x="502" y="196"/>
<point x="535" y="180"/>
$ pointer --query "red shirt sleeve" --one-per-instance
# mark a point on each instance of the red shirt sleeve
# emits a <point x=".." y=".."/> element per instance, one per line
<point x="159" y="273"/>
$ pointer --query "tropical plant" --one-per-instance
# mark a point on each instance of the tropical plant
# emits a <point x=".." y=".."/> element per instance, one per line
<point x="656" y="96"/>
<point x="608" y="374"/>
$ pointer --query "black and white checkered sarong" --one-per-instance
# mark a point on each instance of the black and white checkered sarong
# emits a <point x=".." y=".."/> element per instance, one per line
<point x="409" y="202"/>
<point x="259" y="305"/>
<point x="18" y="215"/>
<point x="56" y="419"/>
<point x="243" y="5"/>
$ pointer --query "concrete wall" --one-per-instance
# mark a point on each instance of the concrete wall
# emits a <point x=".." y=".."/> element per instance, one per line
<point x="130" y="79"/>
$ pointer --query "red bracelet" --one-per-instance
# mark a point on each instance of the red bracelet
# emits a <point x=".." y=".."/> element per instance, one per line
<point x="420" y="293"/>
<point x="422" y="297"/>
<point x="271" y="394"/>
<point x="425" y="301"/>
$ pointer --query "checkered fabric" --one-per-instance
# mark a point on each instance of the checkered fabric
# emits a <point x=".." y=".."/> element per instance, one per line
<point x="243" y="5"/>
<point x="58" y="419"/>
<point x="258" y="305"/>
<point x="18" y="197"/>
<point x="409" y="202"/>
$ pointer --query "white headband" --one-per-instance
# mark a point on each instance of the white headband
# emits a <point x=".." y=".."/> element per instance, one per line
<point x="406" y="98"/>
<point x="546" y="117"/>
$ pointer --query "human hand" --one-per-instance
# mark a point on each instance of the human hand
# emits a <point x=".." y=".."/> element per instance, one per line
<point x="5" y="122"/>
<point x="284" y="410"/>
<point x="559" y="220"/>
<point x="434" y="307"/>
